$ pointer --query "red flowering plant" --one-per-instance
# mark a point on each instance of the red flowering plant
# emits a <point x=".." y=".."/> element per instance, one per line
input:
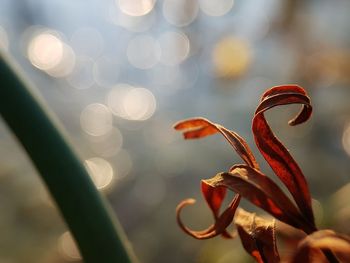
<point x="248" y="181"/>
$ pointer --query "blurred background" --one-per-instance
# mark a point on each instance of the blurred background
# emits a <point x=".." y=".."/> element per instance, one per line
<point x="119" y="73"/>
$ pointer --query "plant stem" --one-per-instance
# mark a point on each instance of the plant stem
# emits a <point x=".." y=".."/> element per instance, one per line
<point x="89" y="218"/>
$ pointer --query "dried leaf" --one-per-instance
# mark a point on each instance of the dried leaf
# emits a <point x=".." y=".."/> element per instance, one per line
<point x="257" y="236"/>
<point x="277" y="156"/>
<point x="199" y="127"/>
<point x="326" y="240"/>
<point x="220" y="225"/>
<point x="262" y="192"/>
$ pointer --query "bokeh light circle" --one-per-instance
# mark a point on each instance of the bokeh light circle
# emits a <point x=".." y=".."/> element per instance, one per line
<point x="139" y="104"/>
<point x="231" y="57"/>
<point x="66" y="66"/>
<point x="131" y="103"/>
<point x="48" y="52"/>
<point x="45" y="50"/>
<point x="180" y="12"/>
<point x="175" y="47"/>
<point x="135" y="7"/>
<point x="216" y="8"/>
<point x="96" y="119"/>
<point x="101" y="171"/>
<point x="114" y="99"/>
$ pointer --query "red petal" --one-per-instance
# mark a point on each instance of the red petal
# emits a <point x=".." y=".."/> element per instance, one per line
<point x="221" y="223"/>
<point x="200" y="127"/>
<point x="283" y="89"/>
<point x="273" y="150"/>
<point x="257" y="236"/>
<point x="262" y="192"/>
<point x="214" y="197"/>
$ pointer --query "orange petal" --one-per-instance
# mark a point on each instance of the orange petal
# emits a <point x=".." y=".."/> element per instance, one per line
<point x="201" y="127"/>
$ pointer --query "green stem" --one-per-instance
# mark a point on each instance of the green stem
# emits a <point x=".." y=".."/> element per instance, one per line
<point x="90" y="220"/>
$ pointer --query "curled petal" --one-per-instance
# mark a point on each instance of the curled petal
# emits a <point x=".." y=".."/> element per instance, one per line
<point x="258" y="236"/>
<point x="220" y="225"/>
<point x="327" y="241"/>
<point x="196" y="234"/>
<point x="291" y="88"/>
<point x="262" y="192"/>
<point x="288" y="98"/>
<point x="277" y="156"/>
<point x="214" y="197"/>
<point x="201" y="127"/>
<point x="198" y="128"/>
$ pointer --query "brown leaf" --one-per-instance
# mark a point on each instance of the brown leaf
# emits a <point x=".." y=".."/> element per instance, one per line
<point x="326" y="240"/>
<point x="274" y="152"/>
<point x="200" y="127"/>
<point x="220" y="225"/>
<point x="262" y="192"/>
<point x="257" y="236"/>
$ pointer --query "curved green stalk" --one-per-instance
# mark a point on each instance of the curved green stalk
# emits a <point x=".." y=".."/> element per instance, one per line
<point x="96" y="231"/>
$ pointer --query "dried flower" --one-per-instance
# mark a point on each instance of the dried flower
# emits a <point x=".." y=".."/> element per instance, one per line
<point x="248" y="181"/>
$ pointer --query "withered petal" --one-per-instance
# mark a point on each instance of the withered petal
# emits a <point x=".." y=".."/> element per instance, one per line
<point x="325" y="240"/>
<point x="262" y="192"/>
<point x="258" y="236"/>
<point x="200" y="127"/>
<point x="220" y="225"/>
<point x="214" y="197"/>
<point x="275" y="153"/>
<point x="287" y="88"/>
